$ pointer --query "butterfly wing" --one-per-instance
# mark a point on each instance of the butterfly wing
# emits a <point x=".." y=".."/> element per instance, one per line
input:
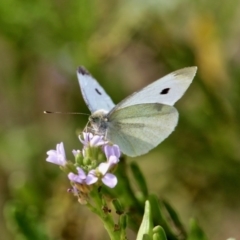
<point x="93" y="94"/>
<point x="139" y="128"/>
<point x="166" y="90"/>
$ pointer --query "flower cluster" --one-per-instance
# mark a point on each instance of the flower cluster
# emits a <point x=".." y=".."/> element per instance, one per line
<point x="94" y="164"/>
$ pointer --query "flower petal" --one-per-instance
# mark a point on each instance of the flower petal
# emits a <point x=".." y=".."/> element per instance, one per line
<point x="80" y="177"/>
<point x="91" y="178"/>
<point x="97" y="141"/>
<point x="112" y="151"/>
<point x="60" y="149"/>
<point x="110" y="180"/>
<point x="113" y="160"/>
<point x="117" y="151"/>
<point x="75" y="178"/>
<point x="86" y="138"/>
<point x="103" y="167"/>
<point x="75" y="152"/>
<point x="81" y="173"/>
<point x="57" y="156"/>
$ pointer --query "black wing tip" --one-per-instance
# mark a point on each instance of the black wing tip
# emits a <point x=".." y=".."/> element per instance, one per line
<point x="82" y="70"/>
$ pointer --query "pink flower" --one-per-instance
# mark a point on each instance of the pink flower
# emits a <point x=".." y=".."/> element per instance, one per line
<point x="113" y="150"/>
<point x="101" y="172"/>
<point x="91" y="140"/>
<point x="57" y="156"/>
<point x="78" y="178"/>
<point x="76" y="152"/>
<point x="112" y="153"/>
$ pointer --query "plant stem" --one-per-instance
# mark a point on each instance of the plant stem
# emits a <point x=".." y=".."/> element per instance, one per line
<point x="105" y="216"/>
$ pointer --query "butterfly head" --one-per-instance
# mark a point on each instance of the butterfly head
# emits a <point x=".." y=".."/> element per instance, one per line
<point x="99" y="122"/>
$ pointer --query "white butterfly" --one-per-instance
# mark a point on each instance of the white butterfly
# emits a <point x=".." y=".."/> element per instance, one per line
<point x="142" y="120"/>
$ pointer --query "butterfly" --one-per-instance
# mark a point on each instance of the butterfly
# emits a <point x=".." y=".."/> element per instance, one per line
<point x="140" y="121"/>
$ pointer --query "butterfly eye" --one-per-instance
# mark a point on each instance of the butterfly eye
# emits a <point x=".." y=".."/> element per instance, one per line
<point x="165" y="91"/>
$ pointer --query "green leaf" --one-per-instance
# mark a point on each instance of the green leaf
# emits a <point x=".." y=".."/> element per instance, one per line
<point x="146" y="225"/>
<point x="159" y="218"/>
<point x="146" y="237"/>
<point x="159" y="233"/>
<point x="123" y="221"/>
<point x="175" y="218"/>
<point x="118" y="206"/>
<point x="196" y="233"/>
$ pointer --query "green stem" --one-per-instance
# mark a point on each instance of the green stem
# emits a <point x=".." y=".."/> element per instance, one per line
<point x="106" y="217"/>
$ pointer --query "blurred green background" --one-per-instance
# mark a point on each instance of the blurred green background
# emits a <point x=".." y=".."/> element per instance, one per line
<point x="125" y="45"/>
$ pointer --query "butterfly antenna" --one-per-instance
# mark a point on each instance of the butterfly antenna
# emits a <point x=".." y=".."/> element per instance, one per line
<point x="49" y="112"/>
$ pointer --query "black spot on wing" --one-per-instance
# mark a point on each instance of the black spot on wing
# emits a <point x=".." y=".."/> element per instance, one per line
<point x="165" y="91"/>
<point x="98" y="91"/>
<point x="83" y="71"/>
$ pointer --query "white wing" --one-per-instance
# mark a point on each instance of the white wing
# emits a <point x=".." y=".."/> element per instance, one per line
<point x="138" y="129"/>
<point x="166" y="90"/>
<point x="93" y="94"/>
